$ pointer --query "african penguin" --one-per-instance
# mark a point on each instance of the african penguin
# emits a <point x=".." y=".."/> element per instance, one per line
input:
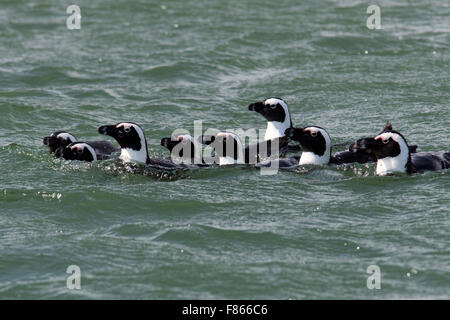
<point x="77" y="151"/>
<point x="58" y="140"/>
<point x="358" y="156"/>
<point x="316" y="145"/>
<point x="133" y="144"/>
<point x="315" y="142"/>
<point x="182" y="146"/>
<point x="228" y="148"/>
<point x="276" y="112"/>
<point x="393" y="155"/>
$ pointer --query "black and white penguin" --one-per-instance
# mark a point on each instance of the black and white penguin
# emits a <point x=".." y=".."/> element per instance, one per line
<point x="133" y="144"/>
<point x="184" y="147"/>
<point x="354" y="156"/>
<point x="228" y="149"/>
<point x="393" y="155"/>
<point x="315" y="143"/>
<point x="276" y="112"/>
<point x="58" y="140"/>
<point x="77" y="151"/>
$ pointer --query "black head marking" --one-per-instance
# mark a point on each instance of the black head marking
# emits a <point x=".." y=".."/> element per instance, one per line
<point x="383" y="147"/>
<point x="310" y="140"/>
<point x="271" y="109"/>
<point x="58" y="139"/>
<point x="77" y="151"/>
<point x="388" y="128"/>
<point x="179" y="143"/>
<point x="130" y="137"/>
<point x="126" y="135"/>
<point x="224" y="145"/>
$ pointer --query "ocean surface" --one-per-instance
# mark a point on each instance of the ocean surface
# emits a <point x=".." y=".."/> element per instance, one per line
<point x="222" y="233"/>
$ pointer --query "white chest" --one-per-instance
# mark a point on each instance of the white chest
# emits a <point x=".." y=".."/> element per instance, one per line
<point x="130" y="155"/>
<point x="390" y="165"/>
<point x="276" y="129"/>
<point x="312" y="158"/>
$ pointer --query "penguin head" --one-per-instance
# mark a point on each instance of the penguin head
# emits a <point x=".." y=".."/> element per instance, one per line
<point x="386" y="144"/>
<point x="315" y="142"/>
<point x="391" y="150"/>
<point x="387" y="128"/>
<point x="182" y="142"/>
<point x="227" y="146"/>
<point x="272" y="109"/>
<point x="58" y="139"/>
<point x="131" y="139"/>
<point x="77" y="151"/>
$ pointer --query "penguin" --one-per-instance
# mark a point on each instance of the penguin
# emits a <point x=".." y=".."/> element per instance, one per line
<point x="81" y="151"/>
<point x="58" y="140"/>
<point x="179" y="145"/>
<point x="134" y="149"/>
<point x="228" y="148"/>
<point x="357" y="156"/>
<point x="393" y="155"/>
<point x="316" y="145"/>
<point x="276" y="112"/>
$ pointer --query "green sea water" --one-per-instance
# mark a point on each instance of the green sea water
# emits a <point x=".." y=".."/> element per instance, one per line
<point x="224" y="233"/>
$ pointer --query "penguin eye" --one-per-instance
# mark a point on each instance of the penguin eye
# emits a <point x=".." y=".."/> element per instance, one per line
<point x="313" y="134"/>
<point x="385" y="141"/>
<point x="127" y="129"/>
<point x="273" y="106"/>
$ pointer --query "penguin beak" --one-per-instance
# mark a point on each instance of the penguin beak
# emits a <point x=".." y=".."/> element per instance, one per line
<point x="52" y="142"/>
<point x="107" y="130"/>
<point x="168" y="143"/>
<point x="165" y="142"/>
<point x="48" y="141"/>
<point x="289" y="132"/>
<point x="257" y="106"/>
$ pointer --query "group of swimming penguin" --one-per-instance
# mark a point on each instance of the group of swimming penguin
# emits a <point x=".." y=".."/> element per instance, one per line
<point x="388" y="148"/>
